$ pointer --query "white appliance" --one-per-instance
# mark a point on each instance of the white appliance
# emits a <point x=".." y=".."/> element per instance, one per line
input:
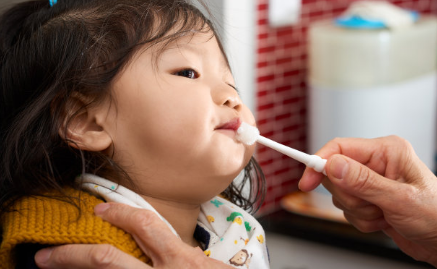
<point x="374" y="82"/>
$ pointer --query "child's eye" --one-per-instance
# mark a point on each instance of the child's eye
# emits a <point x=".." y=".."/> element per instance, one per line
<point x="188" y="73"/>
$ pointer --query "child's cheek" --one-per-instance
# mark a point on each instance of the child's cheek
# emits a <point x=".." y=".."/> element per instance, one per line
<point x="250" y="150"/>
<point x="247" y="116"/>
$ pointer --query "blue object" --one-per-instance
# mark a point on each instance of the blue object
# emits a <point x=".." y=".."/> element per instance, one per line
<point x="53" y="2"/>
<point x="358" y="22"/>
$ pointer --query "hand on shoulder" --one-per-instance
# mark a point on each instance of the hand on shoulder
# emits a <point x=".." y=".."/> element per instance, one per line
<point x="151" y="234"/>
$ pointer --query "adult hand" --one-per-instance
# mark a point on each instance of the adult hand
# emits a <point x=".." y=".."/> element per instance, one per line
<point x="381" y="184"/>
<point x="151" y="234"/>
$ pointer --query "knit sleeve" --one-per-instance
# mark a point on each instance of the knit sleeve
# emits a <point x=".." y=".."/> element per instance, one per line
<point x="50" y="221"/>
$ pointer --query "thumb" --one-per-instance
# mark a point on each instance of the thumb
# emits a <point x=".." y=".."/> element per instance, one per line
<point x="359" y="180"/>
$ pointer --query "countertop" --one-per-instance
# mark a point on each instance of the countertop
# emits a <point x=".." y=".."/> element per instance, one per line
<point x="300" y="242"/>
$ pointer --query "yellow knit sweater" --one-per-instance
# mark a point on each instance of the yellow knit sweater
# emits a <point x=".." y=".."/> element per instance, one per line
<point x="49" y="221"/>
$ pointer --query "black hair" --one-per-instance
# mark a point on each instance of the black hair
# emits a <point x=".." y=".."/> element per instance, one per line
<point x="49" y="54"/>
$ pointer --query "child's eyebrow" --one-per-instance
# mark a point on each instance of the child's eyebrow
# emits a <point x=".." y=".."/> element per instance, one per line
<point x="200" y="51"/>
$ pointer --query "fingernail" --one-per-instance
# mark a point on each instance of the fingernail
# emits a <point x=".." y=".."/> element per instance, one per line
<point x="101" y="208"/>
<point x="43" y="256"/>
<point x="339" y="167"/>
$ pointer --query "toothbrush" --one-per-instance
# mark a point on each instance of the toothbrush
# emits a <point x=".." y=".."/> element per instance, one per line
<point x="249" y="134"/>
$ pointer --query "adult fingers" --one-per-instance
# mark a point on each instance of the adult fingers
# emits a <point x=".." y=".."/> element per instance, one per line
<point x="367" y="226"/>
<point x="347" y="200"/>
<point x="353" y="205"/>
<point x="150" y="232"/>
<point x="388" y="155"/>
<point x="369" y="212"/>
<point x="155" y="238"/>
<point x="310" y="180"/>
<point x="360" y="149"/>
<point x="86" y="256"/>
<point x="360" y="181"/>
<point x="364" y="150"/>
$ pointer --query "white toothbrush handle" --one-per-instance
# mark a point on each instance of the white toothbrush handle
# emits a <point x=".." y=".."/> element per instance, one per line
<point x="313" y="161"/>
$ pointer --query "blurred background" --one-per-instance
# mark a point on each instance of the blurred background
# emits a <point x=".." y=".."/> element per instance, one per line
<point x="309" y="80"/>
<point x="269" y="51"/>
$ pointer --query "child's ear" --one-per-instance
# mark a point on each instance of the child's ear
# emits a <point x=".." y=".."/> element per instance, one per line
<point x="84" y="130"/>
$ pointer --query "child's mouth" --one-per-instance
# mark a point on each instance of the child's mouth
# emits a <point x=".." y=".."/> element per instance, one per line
<point x="233" y="125"/>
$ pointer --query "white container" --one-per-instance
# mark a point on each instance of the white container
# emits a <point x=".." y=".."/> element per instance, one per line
<point x="374" y="82"/>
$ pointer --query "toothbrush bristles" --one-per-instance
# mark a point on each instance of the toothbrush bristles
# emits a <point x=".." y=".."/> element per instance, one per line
<point x="247" y="134"/>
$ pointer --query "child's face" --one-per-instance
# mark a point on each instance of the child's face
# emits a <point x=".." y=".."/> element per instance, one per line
<point x="167" y="118"/>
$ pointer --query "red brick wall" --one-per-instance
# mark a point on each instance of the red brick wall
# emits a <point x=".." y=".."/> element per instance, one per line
<point x="282" y="88"/>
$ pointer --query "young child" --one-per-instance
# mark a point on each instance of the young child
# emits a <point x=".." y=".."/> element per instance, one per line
<point x="128" y="101"/>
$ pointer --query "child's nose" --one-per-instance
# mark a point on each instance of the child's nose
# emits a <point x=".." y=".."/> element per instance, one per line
<point x="227" y="96"/>
<point x="233" y="102"/>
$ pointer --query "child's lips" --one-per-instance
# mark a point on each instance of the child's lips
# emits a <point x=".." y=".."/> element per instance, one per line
<point x="232" y="125"/>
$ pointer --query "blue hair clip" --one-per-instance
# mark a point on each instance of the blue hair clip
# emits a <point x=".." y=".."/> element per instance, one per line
<point x="53" y="2"/>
